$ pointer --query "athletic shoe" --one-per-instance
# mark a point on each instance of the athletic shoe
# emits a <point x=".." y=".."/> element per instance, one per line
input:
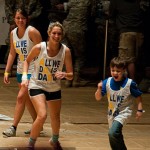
<point x="30" y="148"/>
<point x="55" y="145"/>
<point x="29" y="131"/>
<point x="11" y="132"/>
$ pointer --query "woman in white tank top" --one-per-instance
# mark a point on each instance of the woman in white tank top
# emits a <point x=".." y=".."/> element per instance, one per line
<point x="22" y="39"/>
<point x="44" y="85"/>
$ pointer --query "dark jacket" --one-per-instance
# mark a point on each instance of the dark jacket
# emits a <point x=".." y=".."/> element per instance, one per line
<point x="128" y="14"/>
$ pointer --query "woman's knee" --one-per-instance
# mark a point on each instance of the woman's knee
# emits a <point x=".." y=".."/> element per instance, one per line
<point x="20" y="98"/>
<point x="42" y="117"/>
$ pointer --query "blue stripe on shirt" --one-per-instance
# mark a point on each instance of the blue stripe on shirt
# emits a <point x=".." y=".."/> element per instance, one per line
<point x="116" y="86"/>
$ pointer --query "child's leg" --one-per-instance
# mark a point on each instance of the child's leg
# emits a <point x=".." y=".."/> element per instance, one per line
<point x="115" y="136"/>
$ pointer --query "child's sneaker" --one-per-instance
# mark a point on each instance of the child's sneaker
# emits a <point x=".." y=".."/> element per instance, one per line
<point x="55" y="146"/>
<point x="11" y="132"/>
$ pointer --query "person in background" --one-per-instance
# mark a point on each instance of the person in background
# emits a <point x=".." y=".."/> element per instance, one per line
<point x="40" y="22"/>
<point x="76" y="27"/>
<point x="57" y="12"/>
<point x="22" y="39"/>
<point x="129" y="17"/>
<point x="121" y="94"/>
<point x="144" y="84"/>
<point x="45" y="83"/>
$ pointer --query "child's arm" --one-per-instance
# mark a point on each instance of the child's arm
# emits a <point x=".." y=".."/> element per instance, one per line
<point x="98" y="94"/>
<point x="139" y="107"/>
<point x="137" y="93"/>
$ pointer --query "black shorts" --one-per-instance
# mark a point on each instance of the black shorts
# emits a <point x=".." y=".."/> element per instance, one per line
<point x="49" y="95"/>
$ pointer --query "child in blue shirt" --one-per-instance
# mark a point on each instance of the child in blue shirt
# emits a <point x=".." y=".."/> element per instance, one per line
<point x="121" y="93"/>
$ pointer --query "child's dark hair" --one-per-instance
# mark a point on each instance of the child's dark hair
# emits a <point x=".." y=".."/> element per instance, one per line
<point x="118" y="62"/>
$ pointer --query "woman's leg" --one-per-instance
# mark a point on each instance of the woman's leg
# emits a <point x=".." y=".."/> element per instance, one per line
<point x="19" y="110"/>
<point x="115" y="136"/>
<point x="40" y="107"/>
<point x="20" y="104"/>
<point x="32" y="112"/>
<point x="54" y="109"/>
<point x="30" y="107"/>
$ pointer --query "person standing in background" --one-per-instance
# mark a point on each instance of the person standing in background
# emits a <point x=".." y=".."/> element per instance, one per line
<point x="76" y="28"/>
<point x="57" y="12"/>
<point x="129" y="17"/>
<point x="41" y="21"/>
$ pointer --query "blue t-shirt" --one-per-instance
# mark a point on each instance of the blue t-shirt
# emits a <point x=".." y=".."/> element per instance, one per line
<point x="115" y="85"/>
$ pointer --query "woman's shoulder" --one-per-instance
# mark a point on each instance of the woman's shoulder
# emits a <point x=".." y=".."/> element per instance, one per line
<point x="14" y="30"/>
<point x="65" y="47"/>
<point x="31" y="28"/>
<point x="37" y="47"/>
<point x="34" y="33"/>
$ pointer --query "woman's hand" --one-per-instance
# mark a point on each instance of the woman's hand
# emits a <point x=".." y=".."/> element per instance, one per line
<point x="6" y="79"/>
<point x="25" y="83"/>
<point x="60" y="75"/>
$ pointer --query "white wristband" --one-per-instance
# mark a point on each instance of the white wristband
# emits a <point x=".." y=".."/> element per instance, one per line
<point x="24" y="77"/>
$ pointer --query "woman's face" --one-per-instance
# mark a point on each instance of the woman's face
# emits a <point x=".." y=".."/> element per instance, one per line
<point x="56" y="34"/>
<point x="117" y="73"/>
<point x="20" y="20"/>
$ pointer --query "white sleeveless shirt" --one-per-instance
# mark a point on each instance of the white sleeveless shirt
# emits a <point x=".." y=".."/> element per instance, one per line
<point x="45" y="68"/>
<point x="22" y="46"/>
<point x="120" y="103"/>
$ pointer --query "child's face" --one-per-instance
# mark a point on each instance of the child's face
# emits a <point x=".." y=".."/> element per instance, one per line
<point x="117" y="73"/>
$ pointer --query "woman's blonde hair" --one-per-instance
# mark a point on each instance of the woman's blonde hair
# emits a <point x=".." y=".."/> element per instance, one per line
<point x="55" y="24"/>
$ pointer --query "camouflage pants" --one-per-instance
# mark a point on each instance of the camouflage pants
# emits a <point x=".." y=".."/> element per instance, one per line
<point x="77" y="43"/>
<point x="130" y="45"/>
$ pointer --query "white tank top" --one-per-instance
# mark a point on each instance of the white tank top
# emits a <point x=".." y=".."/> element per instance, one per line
<point x="120" y="103"/>
<point x="45" y="68"/>
<point x="22" y="46"/>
